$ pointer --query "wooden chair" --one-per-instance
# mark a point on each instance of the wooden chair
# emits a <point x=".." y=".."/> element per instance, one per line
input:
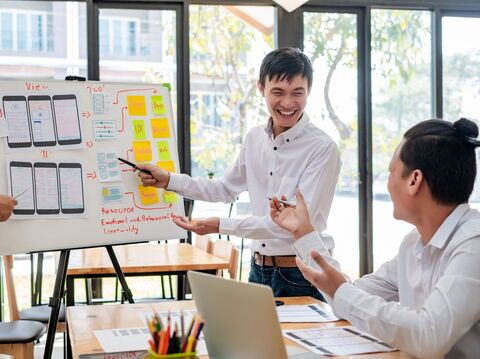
<point x="204" y="243"/>
<point x="39" y="313"/>
<point x="229" y="252"/>
<point x="17" y="336"/>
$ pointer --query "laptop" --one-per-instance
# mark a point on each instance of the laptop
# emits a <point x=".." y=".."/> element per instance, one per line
<point x="241" y="319"/>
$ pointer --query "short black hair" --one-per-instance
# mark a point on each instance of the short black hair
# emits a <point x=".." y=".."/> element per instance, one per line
<point x="445" y="153"/>
<point x="286" y="63"/>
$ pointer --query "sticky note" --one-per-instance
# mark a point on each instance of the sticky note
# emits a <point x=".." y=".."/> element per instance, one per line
<point x="148" y="195"/>
<point x="136" y="106"/>
<point x="160" y="128"/>
<point x="167" y="165"/>
<point x="139" y="129"/>
<point x="157" y="105"/>
<point x="163" y="151"/>
<point x="142" y="151"/>
<point x="169" y="197"/>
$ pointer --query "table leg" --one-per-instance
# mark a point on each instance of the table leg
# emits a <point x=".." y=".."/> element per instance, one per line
<point x="181" y="286"/>
<point x="70" y="291"/>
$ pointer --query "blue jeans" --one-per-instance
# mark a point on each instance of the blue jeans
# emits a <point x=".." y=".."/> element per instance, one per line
<point x="285" y="282"/>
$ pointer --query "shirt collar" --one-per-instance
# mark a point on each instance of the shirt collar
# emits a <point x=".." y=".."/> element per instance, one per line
<point x="449" y="224"/>
<point x="292" y="132"/>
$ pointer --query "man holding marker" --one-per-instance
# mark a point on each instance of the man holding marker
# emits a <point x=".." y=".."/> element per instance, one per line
<point x="276" y="158"/>
<point x="7" y="205"/>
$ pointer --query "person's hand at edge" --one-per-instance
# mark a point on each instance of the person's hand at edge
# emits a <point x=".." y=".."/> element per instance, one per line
<point x="7" y="205"/>
<point x="327" y="280"/>
<point x="159" y="178"/>
<point x="200" y="226"/>
<point x="295" y="220"/>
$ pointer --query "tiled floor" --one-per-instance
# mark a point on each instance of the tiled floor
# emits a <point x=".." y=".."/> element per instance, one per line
<point x="57" y="347"/>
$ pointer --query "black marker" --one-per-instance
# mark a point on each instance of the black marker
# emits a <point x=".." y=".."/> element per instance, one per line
<point x="134" y="166"/>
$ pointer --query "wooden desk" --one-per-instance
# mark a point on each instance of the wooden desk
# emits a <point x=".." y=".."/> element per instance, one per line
<point x="141" y="260"/>
<point x="83" y="320"/>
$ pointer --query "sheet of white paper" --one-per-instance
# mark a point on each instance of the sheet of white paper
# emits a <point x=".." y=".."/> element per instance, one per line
<point x="337" y="341"/>
<point x="311" y="313"/>
<point x="123" y="339"/>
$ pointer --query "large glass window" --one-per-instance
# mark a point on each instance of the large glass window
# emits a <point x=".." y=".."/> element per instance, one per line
<point x="42" y="39"/>
<point x="401" y="97"/>
<point x="331" y="43"/>
<point x="461" y="75"/>
<point x="138" y="46"/>
<point x="227" y="45"/>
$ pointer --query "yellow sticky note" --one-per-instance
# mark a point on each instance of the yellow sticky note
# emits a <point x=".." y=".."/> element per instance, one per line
<point x="160" y="128"/>
<point x="163" y="151"/>
<point x="148" y="195"/>
<point x="157" y="105"/>
<point x="142" y="151"/>
<point x="169" y="197"/>
<point x="136" y="106"/>
<point x="167" y="165"/>
<point x="139" y="129"/>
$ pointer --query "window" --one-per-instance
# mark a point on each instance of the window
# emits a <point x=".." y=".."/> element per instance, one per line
<point x="401" y="97"/>
<point x="330" y="40"/>
<point x="461" y="75"/>
<point x="227" y="45"/>
<point x="42" y="39"/>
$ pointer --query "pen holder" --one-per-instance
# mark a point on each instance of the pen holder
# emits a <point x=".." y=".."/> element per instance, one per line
<point x="152" y="355"/>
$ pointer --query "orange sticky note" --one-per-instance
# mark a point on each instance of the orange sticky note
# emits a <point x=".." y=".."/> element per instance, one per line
<point x="169" y="197"/>
<point x="160" y="128"/>
<point x="148" y="195"/>
<point x="157" y="105"/>
<point x="136" y="106"/>
<point x="142" y="151"/>
<point x="167" y="165"/>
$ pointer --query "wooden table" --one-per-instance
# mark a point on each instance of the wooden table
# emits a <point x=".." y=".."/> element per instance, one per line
<point x="141" y="260"/>
<point x="83" y="320"/>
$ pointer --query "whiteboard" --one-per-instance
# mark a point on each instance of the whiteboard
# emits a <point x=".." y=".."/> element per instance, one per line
<point x="72" y="191"/>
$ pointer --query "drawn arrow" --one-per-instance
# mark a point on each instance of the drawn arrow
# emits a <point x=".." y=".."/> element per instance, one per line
<point x="89" y="144"/>
<point x="131" y="90"/>
<point x="86" y="114"/>
<point x="123" y="120"/>
<point x="147" y="209"/>
<point x="128" y="153"/>
<point x="92" y="175"/>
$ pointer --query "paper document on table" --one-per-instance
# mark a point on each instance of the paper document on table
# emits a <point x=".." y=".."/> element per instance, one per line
<point x="337" y="341"/>
<point x="123" y="339"/>
<point x="310" y="313"/>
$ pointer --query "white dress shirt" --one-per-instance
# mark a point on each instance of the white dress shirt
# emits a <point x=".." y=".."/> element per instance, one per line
<point x="426" y="301"/>
<point x="302" y="157"/>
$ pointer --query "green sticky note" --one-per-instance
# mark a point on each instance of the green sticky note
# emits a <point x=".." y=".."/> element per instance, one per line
<point x="163" y="151"/>
<point x="139" y="129"/>
<point x="157" y="105"/>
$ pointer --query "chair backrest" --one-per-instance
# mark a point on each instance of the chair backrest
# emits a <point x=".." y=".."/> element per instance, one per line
<point x="12" y="299"/>
<point x="204" y="243"/>
<point x="229" y="252"/>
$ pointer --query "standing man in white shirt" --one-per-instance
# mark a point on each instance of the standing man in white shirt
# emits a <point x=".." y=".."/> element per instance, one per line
<point x="288" y="152"/>
<point x="7" y="205"/>
<point x="426" y="300"/>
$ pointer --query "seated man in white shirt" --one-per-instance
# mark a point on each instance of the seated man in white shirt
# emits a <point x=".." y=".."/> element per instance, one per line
<point x="288" y="152"/>
<point x="7" y="205"/>
<point x="425" y="301"/>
